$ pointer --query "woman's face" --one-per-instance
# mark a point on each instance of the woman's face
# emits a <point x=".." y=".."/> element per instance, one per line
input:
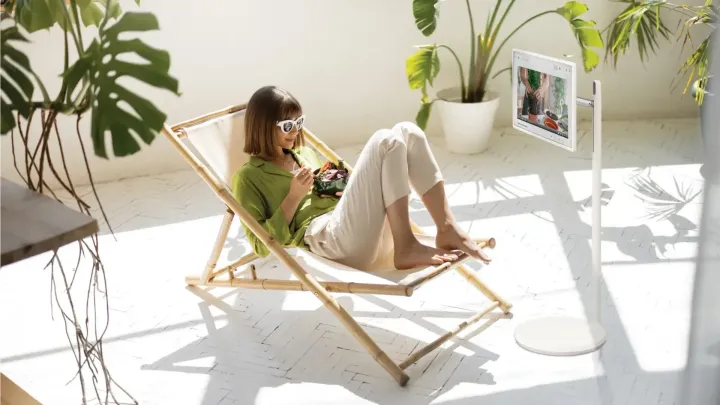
<point x="287" y="131"/>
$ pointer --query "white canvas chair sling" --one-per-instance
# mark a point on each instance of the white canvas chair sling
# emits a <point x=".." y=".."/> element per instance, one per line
<point x="219" y="137"/>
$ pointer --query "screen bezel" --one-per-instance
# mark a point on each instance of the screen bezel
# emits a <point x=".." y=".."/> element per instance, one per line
<point x="571" y="143"/>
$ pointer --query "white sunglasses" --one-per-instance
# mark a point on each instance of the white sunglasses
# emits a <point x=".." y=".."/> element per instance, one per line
<point x="287" y="125"/>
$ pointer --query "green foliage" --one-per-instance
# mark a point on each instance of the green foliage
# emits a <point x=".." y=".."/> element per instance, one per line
<point x="423" y="66"/>
<point x="20" y="90"/>
<point x="92" y="81"/>
<point x="426" y="15"/>
<point x="534" y="79"/>
<point x="101" y="61"/>
<point x="643" y="21"/>
<point x="423" y="114"/>
<point x="36" y="15"/>
<point x="587" y="35"/>
<point x="559" y="93"/>
<point x="639" y="19"/>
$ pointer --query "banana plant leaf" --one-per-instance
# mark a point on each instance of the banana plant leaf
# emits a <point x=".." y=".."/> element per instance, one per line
<point x="586" y="33"/>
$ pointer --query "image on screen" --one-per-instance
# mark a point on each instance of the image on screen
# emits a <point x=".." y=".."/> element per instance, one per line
<point x="544" y="98"/>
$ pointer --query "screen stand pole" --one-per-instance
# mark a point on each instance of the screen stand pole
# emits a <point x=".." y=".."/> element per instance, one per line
<point x="566" y="335"/>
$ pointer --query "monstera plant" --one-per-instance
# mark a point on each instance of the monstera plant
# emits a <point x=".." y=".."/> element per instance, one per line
<point x="92" y="69"/>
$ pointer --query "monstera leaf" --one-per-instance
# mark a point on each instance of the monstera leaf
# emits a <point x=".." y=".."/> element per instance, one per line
<point x="104" y="63"/>
<point x="92" y="12"/>
<point x="426" y="15"/>
<point x="587" y="35"/>
<point x="18" y="91"/>
<point x="36" y="15"/>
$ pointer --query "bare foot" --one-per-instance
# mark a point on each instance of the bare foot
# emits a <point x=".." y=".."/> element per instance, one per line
<point x="455" y="238"/>
<point x="416" y="254"/>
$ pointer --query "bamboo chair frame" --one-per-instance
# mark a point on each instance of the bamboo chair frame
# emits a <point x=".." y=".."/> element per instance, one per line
<point x="306" y="281"/>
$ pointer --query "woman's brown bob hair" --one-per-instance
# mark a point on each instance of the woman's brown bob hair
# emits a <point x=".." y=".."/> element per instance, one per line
<point x="266" y="107"/>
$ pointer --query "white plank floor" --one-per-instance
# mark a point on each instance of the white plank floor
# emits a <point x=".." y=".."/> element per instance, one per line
<point x="169" y="344"/>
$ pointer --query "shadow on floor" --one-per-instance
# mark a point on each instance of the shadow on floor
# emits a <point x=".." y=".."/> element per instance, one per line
<point x="313" y="347"/>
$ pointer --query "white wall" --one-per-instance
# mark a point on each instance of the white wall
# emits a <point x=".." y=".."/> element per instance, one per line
<point x="345" y="61"/>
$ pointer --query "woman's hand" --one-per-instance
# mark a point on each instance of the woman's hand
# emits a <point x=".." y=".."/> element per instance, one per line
<point x="338" y="195"/>
<point x="301" y="183"/>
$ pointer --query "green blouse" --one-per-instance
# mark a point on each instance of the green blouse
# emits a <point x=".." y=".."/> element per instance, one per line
<point x="260" y="187"/>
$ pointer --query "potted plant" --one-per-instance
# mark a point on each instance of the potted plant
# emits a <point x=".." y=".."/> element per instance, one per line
<point x="93" y="62"/>
<point x="468" y="110"/>
<point x="643" y="21"/>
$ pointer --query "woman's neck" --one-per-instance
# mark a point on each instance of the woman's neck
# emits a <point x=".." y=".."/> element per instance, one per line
<point x="279" y="155"/>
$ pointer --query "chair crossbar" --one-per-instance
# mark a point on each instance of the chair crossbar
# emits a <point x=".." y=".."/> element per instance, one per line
<point x="423" y="351"/>
<point x="294" y="285"/>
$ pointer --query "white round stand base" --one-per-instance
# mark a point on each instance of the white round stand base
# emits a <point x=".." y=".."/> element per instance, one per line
<point x="560" y="336"/>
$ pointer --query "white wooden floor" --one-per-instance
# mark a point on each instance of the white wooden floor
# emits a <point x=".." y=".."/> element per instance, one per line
<point x="169" y="344"/>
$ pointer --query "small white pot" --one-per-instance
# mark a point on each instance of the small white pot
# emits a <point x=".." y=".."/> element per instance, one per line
<point x="467" y="126"/>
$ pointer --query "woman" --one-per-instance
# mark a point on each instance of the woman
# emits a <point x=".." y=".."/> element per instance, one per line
<point x="274" y="186"/>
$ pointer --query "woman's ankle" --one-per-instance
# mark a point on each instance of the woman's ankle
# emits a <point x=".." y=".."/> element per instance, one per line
<point x="405" y="243"/>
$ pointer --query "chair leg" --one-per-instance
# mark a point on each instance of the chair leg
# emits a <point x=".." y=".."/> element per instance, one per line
<point x="473" y="279"/>
<point x="217" y="247"/>
<point x="310" y="283"/>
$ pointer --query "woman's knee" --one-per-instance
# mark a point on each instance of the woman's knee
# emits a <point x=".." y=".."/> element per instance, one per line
<point x="386" y="139"/>
<point x="400" y="136"/>
<point x="410" y="131"/>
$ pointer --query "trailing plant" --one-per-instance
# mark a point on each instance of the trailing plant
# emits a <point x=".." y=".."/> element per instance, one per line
<point x="643" y="20"/>
<point x="90" y="86"/>
<point x="534" y="79"/>
<point x="424" y="65"/>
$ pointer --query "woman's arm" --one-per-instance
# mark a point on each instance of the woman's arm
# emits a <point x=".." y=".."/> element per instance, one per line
<point x="541" y="91"/>
<point x="289" y="206"/>
<point x="277" y="225"/>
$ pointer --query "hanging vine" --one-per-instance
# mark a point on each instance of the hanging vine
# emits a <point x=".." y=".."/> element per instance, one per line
<point x="89" y="86"/>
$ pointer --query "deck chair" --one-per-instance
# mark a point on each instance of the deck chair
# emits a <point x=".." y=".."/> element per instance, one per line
<point x="213" y="145"/>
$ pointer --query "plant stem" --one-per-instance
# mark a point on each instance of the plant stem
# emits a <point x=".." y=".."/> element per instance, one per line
<point x="489" y="29"/>
<point x="502" y="20"/>
<point x="105" y="20"/>
<point x="63" y="89"/>
<point x="483" y="69"/>
<point x="462" y="74"/>
<point x="497" y="51"/>
<point x="70" y="28"/>
<point x="472" y="84"/>
<point x="73" y="4"/>
<point x="500" y="71"/>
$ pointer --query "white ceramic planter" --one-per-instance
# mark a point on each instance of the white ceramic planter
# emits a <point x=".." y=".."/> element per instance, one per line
<point x="467" y="127"/>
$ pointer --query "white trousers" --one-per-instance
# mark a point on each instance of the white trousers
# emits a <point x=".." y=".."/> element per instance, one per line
<point x="356" y="232"/>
